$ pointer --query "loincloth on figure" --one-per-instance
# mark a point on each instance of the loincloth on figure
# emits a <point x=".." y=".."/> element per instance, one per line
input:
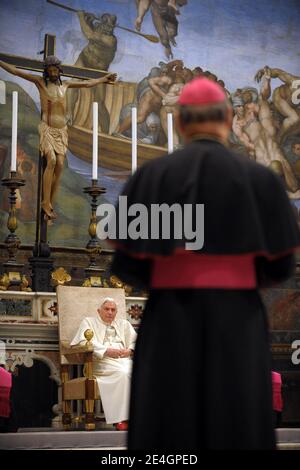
<point x="52" y="138"/>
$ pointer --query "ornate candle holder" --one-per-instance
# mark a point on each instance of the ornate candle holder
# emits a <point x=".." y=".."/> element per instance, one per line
<point x="93" y="248"/>
<point x="13" y="277"/>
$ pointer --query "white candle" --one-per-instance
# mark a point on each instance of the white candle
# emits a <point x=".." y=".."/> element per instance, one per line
<point x="95" y="141"/>
<point x="14" y="133"/>
<point x="170" y="133"/>
<point x="134" y="139"/>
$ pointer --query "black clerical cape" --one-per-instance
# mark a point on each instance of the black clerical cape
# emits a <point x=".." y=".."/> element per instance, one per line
<point x="201" y="375"/>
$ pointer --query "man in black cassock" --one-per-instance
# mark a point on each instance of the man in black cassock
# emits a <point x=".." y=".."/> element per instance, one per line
<point x="201" y="374"/>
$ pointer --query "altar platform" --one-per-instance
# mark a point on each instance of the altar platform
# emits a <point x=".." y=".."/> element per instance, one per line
<point x="287" y="439"/>
<point x="65" y="440"/>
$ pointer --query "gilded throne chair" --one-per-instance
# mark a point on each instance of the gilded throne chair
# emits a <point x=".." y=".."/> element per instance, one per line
<point x="74" y="304"/>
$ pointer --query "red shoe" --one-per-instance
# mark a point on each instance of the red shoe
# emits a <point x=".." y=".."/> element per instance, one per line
<point x="123" y="426"/>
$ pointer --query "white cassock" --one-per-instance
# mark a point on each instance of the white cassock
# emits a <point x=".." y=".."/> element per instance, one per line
<point x="113" y="375"/>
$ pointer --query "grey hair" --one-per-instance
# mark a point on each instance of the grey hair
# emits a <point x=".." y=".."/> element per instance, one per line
<point x="108" y="299"/>
<point x="216" y="112"/>
<point x="237" y="101"/>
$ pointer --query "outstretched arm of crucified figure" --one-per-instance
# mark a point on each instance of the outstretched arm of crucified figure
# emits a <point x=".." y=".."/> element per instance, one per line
<point x="109" y="78"/>
<point x="19" y="73"/>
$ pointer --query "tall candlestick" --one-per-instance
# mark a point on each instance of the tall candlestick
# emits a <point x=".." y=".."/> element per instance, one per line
<point x="134" y="139"/>
<point x="170" y="133"/>
<point x="95" y="141"/>
<point x="14" y="133"/>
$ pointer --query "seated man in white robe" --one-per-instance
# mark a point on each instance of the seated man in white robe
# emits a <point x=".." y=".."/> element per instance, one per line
<point x="113" y="342"/>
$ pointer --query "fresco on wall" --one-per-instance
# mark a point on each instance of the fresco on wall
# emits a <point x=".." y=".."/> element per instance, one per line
<point x="251" y="50"/>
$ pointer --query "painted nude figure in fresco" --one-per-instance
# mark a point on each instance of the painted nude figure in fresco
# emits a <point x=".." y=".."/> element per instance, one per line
<point x="150" y="102"/>
<point x="97" y="54"/>
<point x="102" y="43"/>
<point x="164" y="19"/>
<point x="53" y="125"/>
<point x="151" y="96"/>
<point x="254" y="126"/>
<point x="169" y="102"/>
<point x="282" y="99"/>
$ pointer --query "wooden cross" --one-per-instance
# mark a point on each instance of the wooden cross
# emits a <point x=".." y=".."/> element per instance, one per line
<point x="41" y="251"/>
<point x="34" y="65"/>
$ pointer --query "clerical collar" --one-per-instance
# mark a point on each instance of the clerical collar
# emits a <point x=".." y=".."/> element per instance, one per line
<point x="211" y="137"/>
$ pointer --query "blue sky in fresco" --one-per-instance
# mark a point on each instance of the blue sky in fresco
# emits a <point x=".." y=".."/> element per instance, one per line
<point x="231" y="38"/>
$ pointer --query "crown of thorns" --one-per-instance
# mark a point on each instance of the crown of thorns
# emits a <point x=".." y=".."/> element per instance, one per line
<point x="52" y="60"/>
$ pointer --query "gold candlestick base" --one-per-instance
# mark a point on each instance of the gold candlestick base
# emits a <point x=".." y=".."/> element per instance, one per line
<point x="13" y="278"/>
<point x="93" y="248"/>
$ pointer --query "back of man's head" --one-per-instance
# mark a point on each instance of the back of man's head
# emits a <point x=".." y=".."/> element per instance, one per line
<point x="203" y="104"/>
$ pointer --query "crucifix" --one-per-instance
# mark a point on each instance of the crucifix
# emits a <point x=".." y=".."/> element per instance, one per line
<point x="53" y="137"/>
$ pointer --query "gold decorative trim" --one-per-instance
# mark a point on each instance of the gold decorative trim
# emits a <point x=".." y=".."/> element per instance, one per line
<point x="115" y="282"/>
<point x="281" y="348"/>
<point x="16" y="279"/>
<point x="93" y="281"/>
<point x="60" y="276"/>
<point x="4" y="282"/>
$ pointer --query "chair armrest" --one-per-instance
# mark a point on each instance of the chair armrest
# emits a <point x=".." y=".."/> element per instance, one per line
<point x="71" y="350"/>
<point x="66" y="349"/>
<point x="76" y="354"/>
